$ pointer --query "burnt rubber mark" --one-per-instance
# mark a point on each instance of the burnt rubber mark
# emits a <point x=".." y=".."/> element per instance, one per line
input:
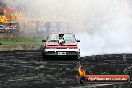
<point x="28" y="69"/>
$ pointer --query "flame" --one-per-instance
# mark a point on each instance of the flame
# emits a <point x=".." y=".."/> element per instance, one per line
<point x="81" y="71"/>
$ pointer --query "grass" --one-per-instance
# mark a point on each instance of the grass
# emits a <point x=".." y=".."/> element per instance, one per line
<point x="20" y="41"/>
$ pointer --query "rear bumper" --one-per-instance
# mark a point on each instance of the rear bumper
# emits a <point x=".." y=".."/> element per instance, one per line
<point x="61" y="52"/>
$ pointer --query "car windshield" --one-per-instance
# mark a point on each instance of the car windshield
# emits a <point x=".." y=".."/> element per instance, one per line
<point x="55" y="37"/>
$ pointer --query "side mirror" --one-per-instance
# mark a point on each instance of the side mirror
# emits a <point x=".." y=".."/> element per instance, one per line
<point x="78" y="40"/>
<point x="43" y="40"/>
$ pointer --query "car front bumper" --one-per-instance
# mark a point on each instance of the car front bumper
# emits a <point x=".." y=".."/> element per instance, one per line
<point x="63" y="52"/>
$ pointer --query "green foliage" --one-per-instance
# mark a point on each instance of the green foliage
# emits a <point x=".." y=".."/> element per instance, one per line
<point x="20" y="41"/>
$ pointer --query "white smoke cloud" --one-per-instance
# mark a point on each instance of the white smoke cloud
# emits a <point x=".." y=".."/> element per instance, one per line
<point x="112" y="36"/>
<point x="108" y="28"/>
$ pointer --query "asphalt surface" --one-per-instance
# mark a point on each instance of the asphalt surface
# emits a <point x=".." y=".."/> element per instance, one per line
<point x="28" y="69"/>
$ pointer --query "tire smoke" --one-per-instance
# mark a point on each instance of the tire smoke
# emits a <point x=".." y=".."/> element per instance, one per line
<point x="107" y="24"/>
